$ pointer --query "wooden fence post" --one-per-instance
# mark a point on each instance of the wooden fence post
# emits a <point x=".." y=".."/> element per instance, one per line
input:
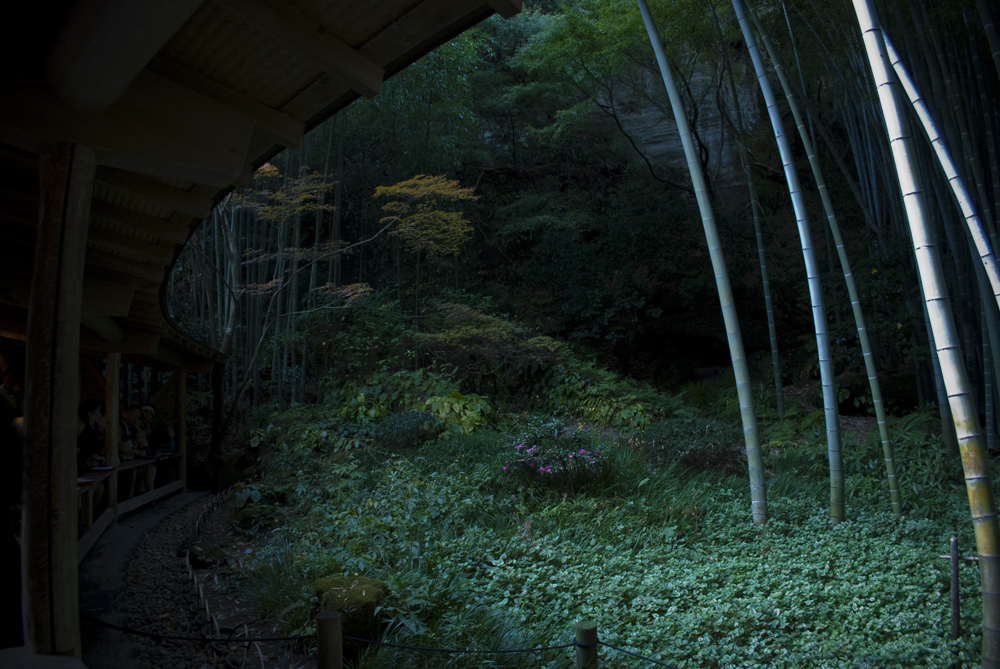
<point x="586" y="645"/>
<point x="956" y="607"/>
<point x="52" y="394"/>
<point x="331" y="643"/>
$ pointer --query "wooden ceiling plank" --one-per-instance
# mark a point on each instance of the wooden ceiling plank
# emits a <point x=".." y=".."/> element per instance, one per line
<point x="104" y="44"/>
<point x="287" y="130"/>
<point x="132" y="341"/>
<point x="145" y="275"/>
<point x="415" y="28"/>
<point x="157" y="192"/>
<point x="169" y="230"/>
<point x="152" y="253"/>
<point x="102" y="325"/>
<point x="109" y="298"/>
<point x="157" y="127"/>
<point x="180" y="360"/>
<point x="287" y="25"/>
<point x="100" y="296"/>
<point x="505" y="8"/>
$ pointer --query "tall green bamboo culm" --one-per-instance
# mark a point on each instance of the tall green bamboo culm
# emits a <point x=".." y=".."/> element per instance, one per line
<point x="964" y="411"/>
<point x="755" y="462"/>
<point x="772" y="330"/>
<point x="836" y="457"/>
<point x="943" y="154"/>
<point x="845" y="265"/>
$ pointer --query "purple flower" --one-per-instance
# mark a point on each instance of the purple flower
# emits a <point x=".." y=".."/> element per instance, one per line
<point x="505" y="467"/>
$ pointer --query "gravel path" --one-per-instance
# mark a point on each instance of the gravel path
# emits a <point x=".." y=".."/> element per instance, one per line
<point x="104" y="583"/>
<point x="137" y="577"/>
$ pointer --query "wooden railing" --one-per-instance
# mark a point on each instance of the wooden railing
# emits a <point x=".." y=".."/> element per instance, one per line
<point x="116" y="490"/>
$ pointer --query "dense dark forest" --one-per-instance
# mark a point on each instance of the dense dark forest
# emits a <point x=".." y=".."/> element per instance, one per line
<point x="506" y="250"/>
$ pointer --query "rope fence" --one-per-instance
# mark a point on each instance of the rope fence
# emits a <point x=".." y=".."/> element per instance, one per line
<point x="329" y="636"/>
<point x="330" y="640"/>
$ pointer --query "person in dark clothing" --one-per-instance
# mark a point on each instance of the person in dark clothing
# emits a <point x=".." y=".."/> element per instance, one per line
<point x="90" y="438"/>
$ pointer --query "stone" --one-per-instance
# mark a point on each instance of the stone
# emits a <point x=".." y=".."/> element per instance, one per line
<point x="356" y="598"/>
<point x="204" y="554"/>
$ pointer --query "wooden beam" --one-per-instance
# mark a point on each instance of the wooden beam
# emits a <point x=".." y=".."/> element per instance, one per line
<point x="104" y="44"/>
<point x="153" y="253"/>
<point x="110" y="298"/>
<point x="426" y="23"/>
<point x="287" y="25"/>
<point x="174" y="359"/>
<point x="170" y="230"/>
<point x="99" y="295"/>
<point x="102" y="325"/>
<point x="132" y="342"/>
<point x="243" y="180"/>
<point x="156" y="192"/>
<point x="505" y="8"/>
<point x="287" y="130"/>
<point x="157" y="127"/>
<point x="49" y="571"/>
<point x="146" y="274"/>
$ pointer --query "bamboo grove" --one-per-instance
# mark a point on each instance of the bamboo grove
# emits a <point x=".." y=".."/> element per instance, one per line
<point x="873" y="127"/>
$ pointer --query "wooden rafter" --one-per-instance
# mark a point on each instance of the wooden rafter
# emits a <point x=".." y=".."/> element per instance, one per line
<point x="157" y="192"/>
<point x="288" y="26"/>
<point x="104" y="44"/>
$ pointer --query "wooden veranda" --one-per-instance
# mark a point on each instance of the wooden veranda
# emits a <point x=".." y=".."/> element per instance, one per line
<point x="122" y="123"/>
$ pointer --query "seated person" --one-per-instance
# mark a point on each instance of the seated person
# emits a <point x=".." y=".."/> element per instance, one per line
<point x="159" y="434"/>
<point x="133" y="444"/>
<point x="91" y="424"/>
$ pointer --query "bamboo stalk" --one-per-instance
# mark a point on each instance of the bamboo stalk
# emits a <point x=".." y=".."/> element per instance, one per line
<point x="974" y="460"/>
<point x="845" y="264"/>
<point x="812" y="274"/>
<point x="755" y="462"/>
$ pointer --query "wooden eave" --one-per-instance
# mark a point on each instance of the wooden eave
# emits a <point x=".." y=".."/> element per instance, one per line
<point x="180" y="102"/>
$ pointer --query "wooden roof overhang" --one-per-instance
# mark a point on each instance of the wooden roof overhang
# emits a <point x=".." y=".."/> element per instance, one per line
<point x="180" y="101"/>
<point x="122" y="123"/>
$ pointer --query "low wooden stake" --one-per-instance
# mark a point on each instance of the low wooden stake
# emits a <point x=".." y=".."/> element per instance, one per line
<point x="956" y="610"/>
<point x="331" y="643"/>
<point x="586" y="645"/>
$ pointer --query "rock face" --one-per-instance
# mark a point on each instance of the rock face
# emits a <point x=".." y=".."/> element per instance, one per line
<point x="356" y="597"/>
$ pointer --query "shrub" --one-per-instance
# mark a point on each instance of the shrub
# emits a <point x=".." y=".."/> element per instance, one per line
<point x="406" y="430"/>
<point x="557" y="455"/>
<point x="697" y="443"/>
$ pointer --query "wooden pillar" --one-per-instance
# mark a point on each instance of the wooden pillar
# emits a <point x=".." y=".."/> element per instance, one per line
<point x="182" y="379"/>
<point x="49" y="552"/>
<point x="112" y="435"/>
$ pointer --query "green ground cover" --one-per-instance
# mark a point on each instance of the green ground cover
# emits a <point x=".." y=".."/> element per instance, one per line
<point x="514" y="495"/>
<point x="664" y="559"/>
